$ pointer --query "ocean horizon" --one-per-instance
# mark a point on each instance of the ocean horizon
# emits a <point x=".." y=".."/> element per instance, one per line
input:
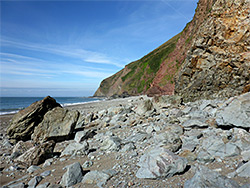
<point x="10" y="105"/>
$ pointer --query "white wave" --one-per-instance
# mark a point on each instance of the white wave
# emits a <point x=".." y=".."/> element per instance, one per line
<point x="11" y="112"/>
<point x="79" y="103"/>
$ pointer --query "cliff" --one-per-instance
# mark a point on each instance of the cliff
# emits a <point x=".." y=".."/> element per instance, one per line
<point x="209" y="58"/>
<point x="218" y="62"/>
<point x="154" y="73"/>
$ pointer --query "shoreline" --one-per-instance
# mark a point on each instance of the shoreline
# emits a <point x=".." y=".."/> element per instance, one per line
<point x="83" y="108"/>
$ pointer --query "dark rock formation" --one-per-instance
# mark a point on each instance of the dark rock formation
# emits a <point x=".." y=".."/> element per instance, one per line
<point x="24" y="122"/>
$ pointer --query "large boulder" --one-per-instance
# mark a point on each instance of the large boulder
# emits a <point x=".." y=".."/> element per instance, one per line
<point x="73" y="175"/>
<point x="235" y="112"/>
<point x="160" y="163"/>
<point x="37" y="154"/>
<point x="58" y="124"/>
<point x="24" y="122"/>
<point x="205" y="177"/>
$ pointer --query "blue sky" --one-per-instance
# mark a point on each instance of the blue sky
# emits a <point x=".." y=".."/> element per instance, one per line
<point x="66" y="48"/>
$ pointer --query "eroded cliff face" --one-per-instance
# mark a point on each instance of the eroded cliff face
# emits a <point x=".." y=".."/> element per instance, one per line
<point x="218" y="63"/>
<point x="154" y="73"/>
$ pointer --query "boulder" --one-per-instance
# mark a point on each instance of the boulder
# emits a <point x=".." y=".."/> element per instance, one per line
<point x="235" y="112"/>
<point x="205" y="177"/>
<point x="34" y="181"/>
<point x="144" y="106"/>
<point x="98" y="177"/>
<point x="168" y="140"/>
<point x="58" y="124"/>
<point x="160" y="163"/>
<point x="37" y="154"/>
<point x="24" y="122"/>
<point x="73" y="175"/>
<point x="244" y="170"/>
<point x="76" y="149"/>
<point x="83" y="135"/>
<point x="111" y="143"/>
<point x="20" y="148"/>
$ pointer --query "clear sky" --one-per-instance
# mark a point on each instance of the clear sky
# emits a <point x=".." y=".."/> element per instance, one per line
<point x="66" y="48"/>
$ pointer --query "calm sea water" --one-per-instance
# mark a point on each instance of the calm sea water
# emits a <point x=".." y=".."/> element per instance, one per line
<point x="14" y="104"/>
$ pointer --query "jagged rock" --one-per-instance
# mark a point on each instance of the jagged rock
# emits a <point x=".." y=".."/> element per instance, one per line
<point x="44" y="185"/>
<point x="160" y="163"/>
<point x="45" y="173"/>
<point x="37" y="154"/>
<point x="20" y="148"/>
<point x="73" y="175"/>
<point x="83" y="135"/>
<point x="58" y="124"/>
<point x="244" y="170"/>
<point x="76" y="149"/>
<point x="165" y="100"/>
<point x="235" y="112"/>
<point x="168" y="140"/>
<point x="246" y="155"/>
<point x="111" y="143"/>
<point x="195" y="123"/>
<point x="128" y="147"/>
<point x="98" y="177"/>
<point x="24" y="122"/>
<point x="34" y="181"/>
<point x="205" y="177"/>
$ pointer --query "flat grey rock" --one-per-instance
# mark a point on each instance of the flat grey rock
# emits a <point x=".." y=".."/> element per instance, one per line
<point x="206" y="178"/>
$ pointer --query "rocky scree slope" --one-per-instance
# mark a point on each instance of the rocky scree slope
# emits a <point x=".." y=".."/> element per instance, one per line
<point x="154" y="73"/>
<point x="218" y="63"/>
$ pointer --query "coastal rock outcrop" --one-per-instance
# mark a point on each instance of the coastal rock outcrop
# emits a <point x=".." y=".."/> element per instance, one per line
<point x="58" y="124"/>
<point x="217" y="65"/>
<point x="24" y="122"/>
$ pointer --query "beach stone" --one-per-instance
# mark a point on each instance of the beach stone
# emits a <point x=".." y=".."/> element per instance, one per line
<point x="48" y="162"/>
<point x="87" y="164"/>
<point x="45" y="173"/>
<point x="98" y="177"/>
<point x="17" y="185"/>
<point x="235" y="112"/>
<point x="80" y="122"/>
<point x="216" y="147"/>
<point x="195" y="123"/>
<point x="128" y="147"/>
<point x="83" y="135"/>
<point x="73" y="175"/>
<point x="55" y="186"/>
<point x="205" y="157"/>
<point x="34" y="181"/>
<point x="44" y="185"/>
<point x="246" y="155"/>
<point x="144" y="106"/>
<point x="33" y="168"/>
<point x="168" y="140"/>
<point x="37" y="154"/>
<point x="76" y="149"/>
<point x="111" y="143"/>
<point x="23" y="123"/>
<point x="159" y="162"/>
<point x="244" y="170"/>
<point x="58" y="125"/>
<point x="205" y="177"/>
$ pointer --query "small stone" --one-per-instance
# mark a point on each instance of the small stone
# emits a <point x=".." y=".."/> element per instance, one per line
<point x="45" y="173"/>
<point x="34" y="181"/>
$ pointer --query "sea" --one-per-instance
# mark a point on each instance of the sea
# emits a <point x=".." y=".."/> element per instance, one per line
<point x="10" y="105"/>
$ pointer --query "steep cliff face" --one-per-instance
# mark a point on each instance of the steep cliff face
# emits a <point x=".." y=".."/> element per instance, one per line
<point x="218" y="63"/>
<point x="154" y="73"/>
